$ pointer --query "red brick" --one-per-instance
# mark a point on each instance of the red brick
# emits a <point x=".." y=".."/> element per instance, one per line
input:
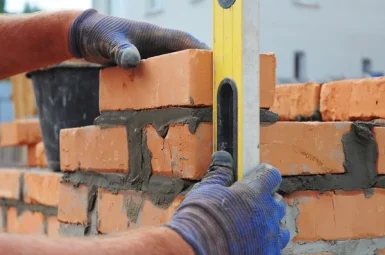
<point x="268" y="64"/>
<point x="177" y="79"/>
<point x="181" y="153"/>
<point x="152" y="215"/>
<point x="380" y="252"/>
<point x="304" y="147"/>
<point x="339" y="215"/>
<point x="73" y="207"/>
<point x="20" y="132"/>
<point x="353" y="99"/>
<point x="10" y="183"/>
<point x="94" y="148"/>
<point x="41" y="159"/>
<point x="114" y="210"/>
<point x="293" y="100"/>
<point x="190" y="85"/>
<point x="26" y="223"/>
<point x="53" y="226"/>
<point x="41" y="188"/>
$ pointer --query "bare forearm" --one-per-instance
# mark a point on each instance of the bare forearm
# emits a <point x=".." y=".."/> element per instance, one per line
<point x="152" y="241"/>
<point x="31" y="41"/>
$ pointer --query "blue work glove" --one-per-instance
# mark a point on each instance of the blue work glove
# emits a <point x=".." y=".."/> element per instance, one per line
<point x="219" y="217"/>
<point x="109" y="40"/>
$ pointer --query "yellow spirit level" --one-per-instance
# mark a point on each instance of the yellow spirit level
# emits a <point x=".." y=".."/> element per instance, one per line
<point x="236" y="81"/>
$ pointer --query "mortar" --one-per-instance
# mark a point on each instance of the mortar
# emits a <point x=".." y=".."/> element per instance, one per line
<point x="67" y="96"/>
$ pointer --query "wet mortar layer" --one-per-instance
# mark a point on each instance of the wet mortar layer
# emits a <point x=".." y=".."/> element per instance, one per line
<point x="135" y="121"/>
<point x="22" y="207"/>
<point x="316" y="116"/>
<point x="161" y="189"/>
<point x="361" y="153"/>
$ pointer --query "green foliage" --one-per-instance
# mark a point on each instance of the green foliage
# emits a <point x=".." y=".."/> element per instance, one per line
<point x="28" y="8"/>
<point x="2" y="6"/>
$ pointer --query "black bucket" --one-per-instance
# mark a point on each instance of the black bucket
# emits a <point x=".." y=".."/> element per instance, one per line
<point x="67" y="96"/>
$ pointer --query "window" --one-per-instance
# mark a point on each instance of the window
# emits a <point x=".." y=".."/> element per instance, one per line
<point x="299" y="65"/>
<point x="366" y="64"/>
<point x="154" y="6"/>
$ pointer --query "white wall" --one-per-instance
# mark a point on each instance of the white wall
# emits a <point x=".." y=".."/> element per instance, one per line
<point x="335" y="36"/>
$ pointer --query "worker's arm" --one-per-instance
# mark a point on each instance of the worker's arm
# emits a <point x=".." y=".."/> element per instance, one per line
<point x="217" y="217"/>
<point x="30" y="41"/>
<point x="151" y="241"/>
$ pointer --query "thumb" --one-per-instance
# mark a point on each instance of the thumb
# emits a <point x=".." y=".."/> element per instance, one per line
<point x="220" y="170"/>
<point x="127" y="56"/>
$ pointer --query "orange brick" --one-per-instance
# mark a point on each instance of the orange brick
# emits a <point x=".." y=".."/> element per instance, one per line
<point x="26" y="223"/>
<point x="10" y="183"/>
<point x="181" y="153"/>
<point x="268" y="65"/>
<point x="152" y="215"/>
<point x="41" y="159"/>
<point x="73" y="203"/>
<point x="113" y="210"/>
<point x="177" y="79"/>
<point x="293" y="100"/>
<point x="380" y="252"/>
<point x="41" y="188"/>
<point x="379" y="134"/>
<point x="304" y="147"/>
<point x="339" y="215"/>
<point x="53" y="226"/>
<point x="353" y="99"/>
<point x="191" y="83"/>
<point x="94" y="148"/>
<point x="20" y="132"/>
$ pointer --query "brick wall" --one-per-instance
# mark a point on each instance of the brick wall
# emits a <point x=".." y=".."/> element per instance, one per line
<point x="329" y="144"/>
<point x="29" y="192"/>
<point x="153" y="140"/>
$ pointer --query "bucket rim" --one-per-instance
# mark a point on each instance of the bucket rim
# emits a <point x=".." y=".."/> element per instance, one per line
<point x="66" y="64"/>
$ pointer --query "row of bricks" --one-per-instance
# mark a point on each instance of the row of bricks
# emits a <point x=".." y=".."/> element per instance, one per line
<point x="334" y="215"/>
<point x="182" y="78"/>
<point x="115" y="212"/>
<point x="356" y="99"/>
<point x="293" y="147"/>
<point x="25" y="132"/>
<point x="38" y="187"/>
<point x="28" y="222"/>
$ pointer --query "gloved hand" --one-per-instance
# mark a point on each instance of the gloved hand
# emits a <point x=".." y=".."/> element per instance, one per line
<point x="109" y="40"/>
<point x="219" y="217"/>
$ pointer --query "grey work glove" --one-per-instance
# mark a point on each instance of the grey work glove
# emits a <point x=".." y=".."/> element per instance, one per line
<point x="109" y="40"/>
<point x="221" y="217"/>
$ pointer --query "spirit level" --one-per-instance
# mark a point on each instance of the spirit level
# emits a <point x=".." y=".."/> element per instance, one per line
<point x="236" y="81"/>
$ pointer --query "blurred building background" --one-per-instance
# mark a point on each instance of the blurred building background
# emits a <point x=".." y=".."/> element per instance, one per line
<point x="317" y="40"/>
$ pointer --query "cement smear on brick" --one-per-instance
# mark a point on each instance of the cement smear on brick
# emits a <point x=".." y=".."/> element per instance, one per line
<point x="343" y="247"/>
<point x="360" y="150"/>
<point x="163" y="189"/>
<point x="72" y="230"/>
<point x="366" y="246"/>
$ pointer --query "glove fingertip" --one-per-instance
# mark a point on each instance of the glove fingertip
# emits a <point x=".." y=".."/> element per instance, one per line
<point x="222" y="158"/>
<point x="129" y="58"/>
